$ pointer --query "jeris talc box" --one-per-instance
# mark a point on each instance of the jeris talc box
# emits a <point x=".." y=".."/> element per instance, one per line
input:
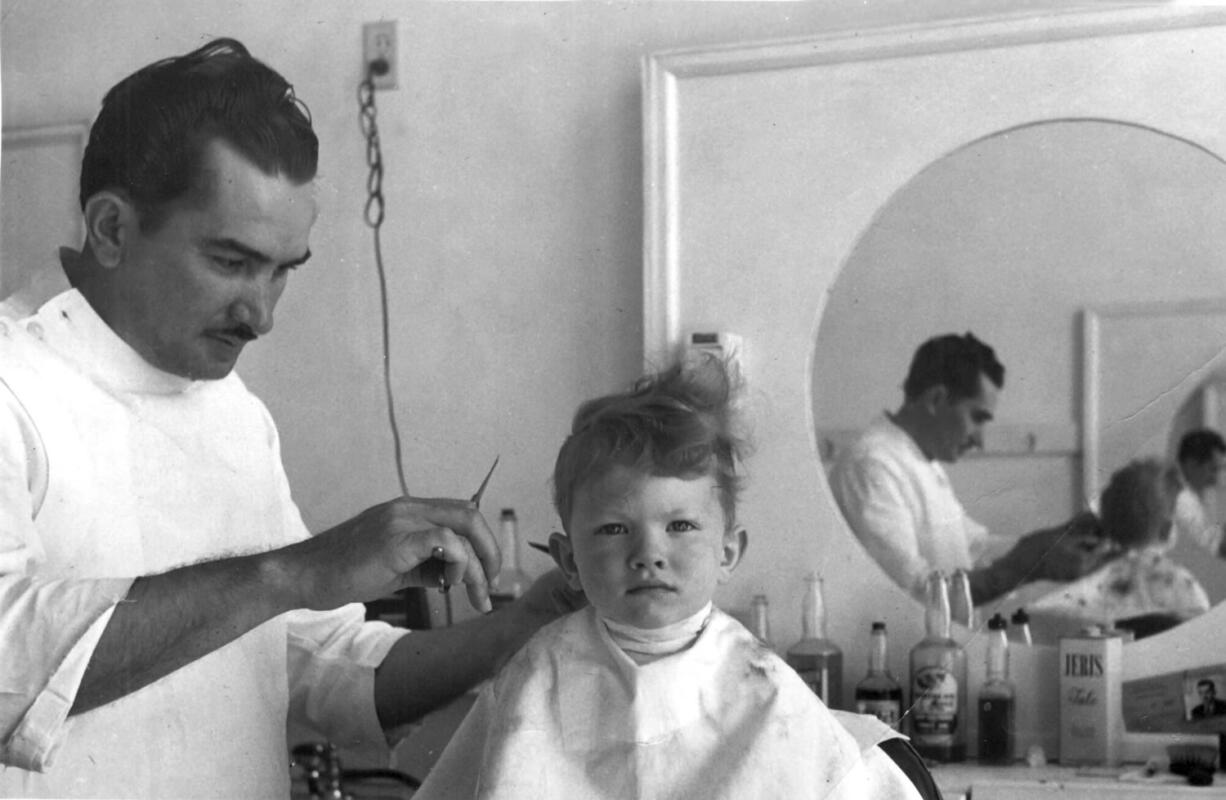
<point x="1090" y="711"/>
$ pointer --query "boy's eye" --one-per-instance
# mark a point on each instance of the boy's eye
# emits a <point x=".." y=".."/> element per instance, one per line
<point x="681" y="526"/>
<point x="611" y="529"/>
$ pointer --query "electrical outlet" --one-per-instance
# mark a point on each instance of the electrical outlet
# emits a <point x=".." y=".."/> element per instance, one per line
<point x="379" y="49"/>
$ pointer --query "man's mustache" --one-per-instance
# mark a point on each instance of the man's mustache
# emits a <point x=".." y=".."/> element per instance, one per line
<point x="243" y="331"/>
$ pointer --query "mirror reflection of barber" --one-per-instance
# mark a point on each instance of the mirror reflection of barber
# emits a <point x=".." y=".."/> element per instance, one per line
<point x="1202" y="460"/>
<point x="896" y="496"/>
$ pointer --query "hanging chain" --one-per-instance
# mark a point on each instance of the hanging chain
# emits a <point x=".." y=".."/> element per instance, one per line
<point x="374" y="154"/>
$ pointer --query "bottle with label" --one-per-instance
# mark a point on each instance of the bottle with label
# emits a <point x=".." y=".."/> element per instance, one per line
<point x="817" y="660"/>
<point x="997" y="723"/>
<point x="938" y="682"/>
<point x="879" y="694"/>
<point x="512" y="581"/>
<point x="760" y="620"/>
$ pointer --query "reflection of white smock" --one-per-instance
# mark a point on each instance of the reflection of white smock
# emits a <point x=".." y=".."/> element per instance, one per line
<point x="902" y="508"/>
<point x="110" y="469"/>
<point x="572" y="716"/>
<point x="1192" y="520"/>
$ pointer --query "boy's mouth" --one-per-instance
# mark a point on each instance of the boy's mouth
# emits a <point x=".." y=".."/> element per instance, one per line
<point x="649" y="588"/>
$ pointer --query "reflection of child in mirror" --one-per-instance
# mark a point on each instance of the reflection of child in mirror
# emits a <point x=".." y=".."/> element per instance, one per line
<point x="651" y="691"/>
<point x="1136" y="512"/>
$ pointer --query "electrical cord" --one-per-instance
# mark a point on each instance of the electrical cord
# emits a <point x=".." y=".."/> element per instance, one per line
<point x="373" y="214"/>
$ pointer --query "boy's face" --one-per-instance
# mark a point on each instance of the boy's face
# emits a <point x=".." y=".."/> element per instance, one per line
<point x="647" y="551"/>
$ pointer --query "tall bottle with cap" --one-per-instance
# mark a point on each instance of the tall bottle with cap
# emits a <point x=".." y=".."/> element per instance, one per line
<point x="817" y="659"/>
<point x="1020" y="632"/>
<point x="997" y="725"/>
<point x="879" y="694"/>
<point x="512" y="581"/>
<point x="760" y="620"/>
<point x="938" y="682"/>
<point x="961" y="606"/>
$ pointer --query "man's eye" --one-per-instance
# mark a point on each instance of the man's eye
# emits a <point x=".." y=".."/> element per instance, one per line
<point x="611" y="529"/>
<point x="233" y="264"/>
<point x="681" y="526"/>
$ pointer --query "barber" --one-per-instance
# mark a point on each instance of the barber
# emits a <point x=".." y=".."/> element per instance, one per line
<point x="163" y="610"/>
<point x="894" y="493"/>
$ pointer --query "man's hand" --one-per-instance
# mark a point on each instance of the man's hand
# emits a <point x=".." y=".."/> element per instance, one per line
<point x="1063" y="553"/>
<point x="392" y="546"/>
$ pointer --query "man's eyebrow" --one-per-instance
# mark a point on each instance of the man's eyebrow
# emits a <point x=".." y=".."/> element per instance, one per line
<point x="252" y="253"/>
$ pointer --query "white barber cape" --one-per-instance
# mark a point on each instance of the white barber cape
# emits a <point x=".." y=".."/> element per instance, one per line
<point x="111" y="469"/>
<point x="571" y="716"/>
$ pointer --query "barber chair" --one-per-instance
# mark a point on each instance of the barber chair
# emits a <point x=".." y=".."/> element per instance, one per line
<point x="319" y="767"/>
<point x="912" y="764"/>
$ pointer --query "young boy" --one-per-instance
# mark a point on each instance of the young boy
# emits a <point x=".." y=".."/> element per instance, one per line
<point x="651" y="691"/>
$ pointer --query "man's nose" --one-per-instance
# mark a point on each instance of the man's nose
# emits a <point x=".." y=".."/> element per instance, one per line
<point x="255" y="305"/>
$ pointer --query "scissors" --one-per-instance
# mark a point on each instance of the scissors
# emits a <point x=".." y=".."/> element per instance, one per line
<point x="438" y="552"/>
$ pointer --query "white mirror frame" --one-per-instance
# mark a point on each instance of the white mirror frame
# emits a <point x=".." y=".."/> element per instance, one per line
<point x="1123" y="421"/>
<point x="764" y="164"/>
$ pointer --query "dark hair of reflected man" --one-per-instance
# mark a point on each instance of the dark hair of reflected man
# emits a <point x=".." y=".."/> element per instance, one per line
<point x="1200" y="445"/>
<point x="149" y="139"/>
<point x="955" y="362"/>
<point x="678" y="423"/>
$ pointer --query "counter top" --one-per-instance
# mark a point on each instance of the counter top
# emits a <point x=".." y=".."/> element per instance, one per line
<point x="1020" y="782"/>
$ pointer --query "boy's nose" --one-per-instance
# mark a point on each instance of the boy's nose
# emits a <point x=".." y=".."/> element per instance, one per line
<point x="647" y="553"/>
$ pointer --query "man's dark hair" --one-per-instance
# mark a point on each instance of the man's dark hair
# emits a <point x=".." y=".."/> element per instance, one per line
<point x="1207" y="683"/>
<point x="150" y="137"/>
<point x="1200" y="445"/>
<point x="955" y="362"/>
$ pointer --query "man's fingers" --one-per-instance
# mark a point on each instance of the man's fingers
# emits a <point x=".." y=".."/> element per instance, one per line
<point x="449" y="560"/>
<point x="462" y="517"/>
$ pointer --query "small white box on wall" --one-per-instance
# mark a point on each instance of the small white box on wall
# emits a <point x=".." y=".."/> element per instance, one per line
<point x="728" y="347"/>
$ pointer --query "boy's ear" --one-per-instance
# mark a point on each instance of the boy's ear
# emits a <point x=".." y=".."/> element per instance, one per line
<point x="564" y="556"/>
<point x="736" y="542"/>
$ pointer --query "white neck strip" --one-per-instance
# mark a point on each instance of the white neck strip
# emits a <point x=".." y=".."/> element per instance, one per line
<point x="644" y="645"/>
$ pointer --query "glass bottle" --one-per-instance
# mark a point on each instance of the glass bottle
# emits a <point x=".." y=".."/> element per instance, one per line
<point x="817" y="660"/>
<point x="1020" y="632"/>
<point x="961" y="606"/>
<point x="512" y="581"/>
<point x="879" y="694"/>
<point x="996" y="699"/>
<point x="761" y="620"/>
<point x="938" y="682"/>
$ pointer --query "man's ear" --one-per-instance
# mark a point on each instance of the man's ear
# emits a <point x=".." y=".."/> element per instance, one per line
<point x="108" y="218"/>
<point x="564" y="556"/>
<point x="736" y="542"/>
<point x="934" y="397"/>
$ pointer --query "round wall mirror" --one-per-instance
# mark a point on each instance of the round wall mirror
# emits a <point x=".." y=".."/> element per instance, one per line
<point x="1011" y="237"/>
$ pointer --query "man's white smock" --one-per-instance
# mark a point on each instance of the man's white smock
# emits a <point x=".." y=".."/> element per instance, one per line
<point x="1193" y="520"/>
<point x="901" y="507"/>
<point x="572" y="716"/>
<point x="111" y="469"/>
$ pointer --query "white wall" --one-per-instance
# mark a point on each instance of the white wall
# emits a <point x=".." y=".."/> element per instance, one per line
<point x="514" y="213"/>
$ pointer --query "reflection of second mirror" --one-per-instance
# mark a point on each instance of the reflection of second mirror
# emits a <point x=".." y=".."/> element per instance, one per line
<point x="1011" y="237"/>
